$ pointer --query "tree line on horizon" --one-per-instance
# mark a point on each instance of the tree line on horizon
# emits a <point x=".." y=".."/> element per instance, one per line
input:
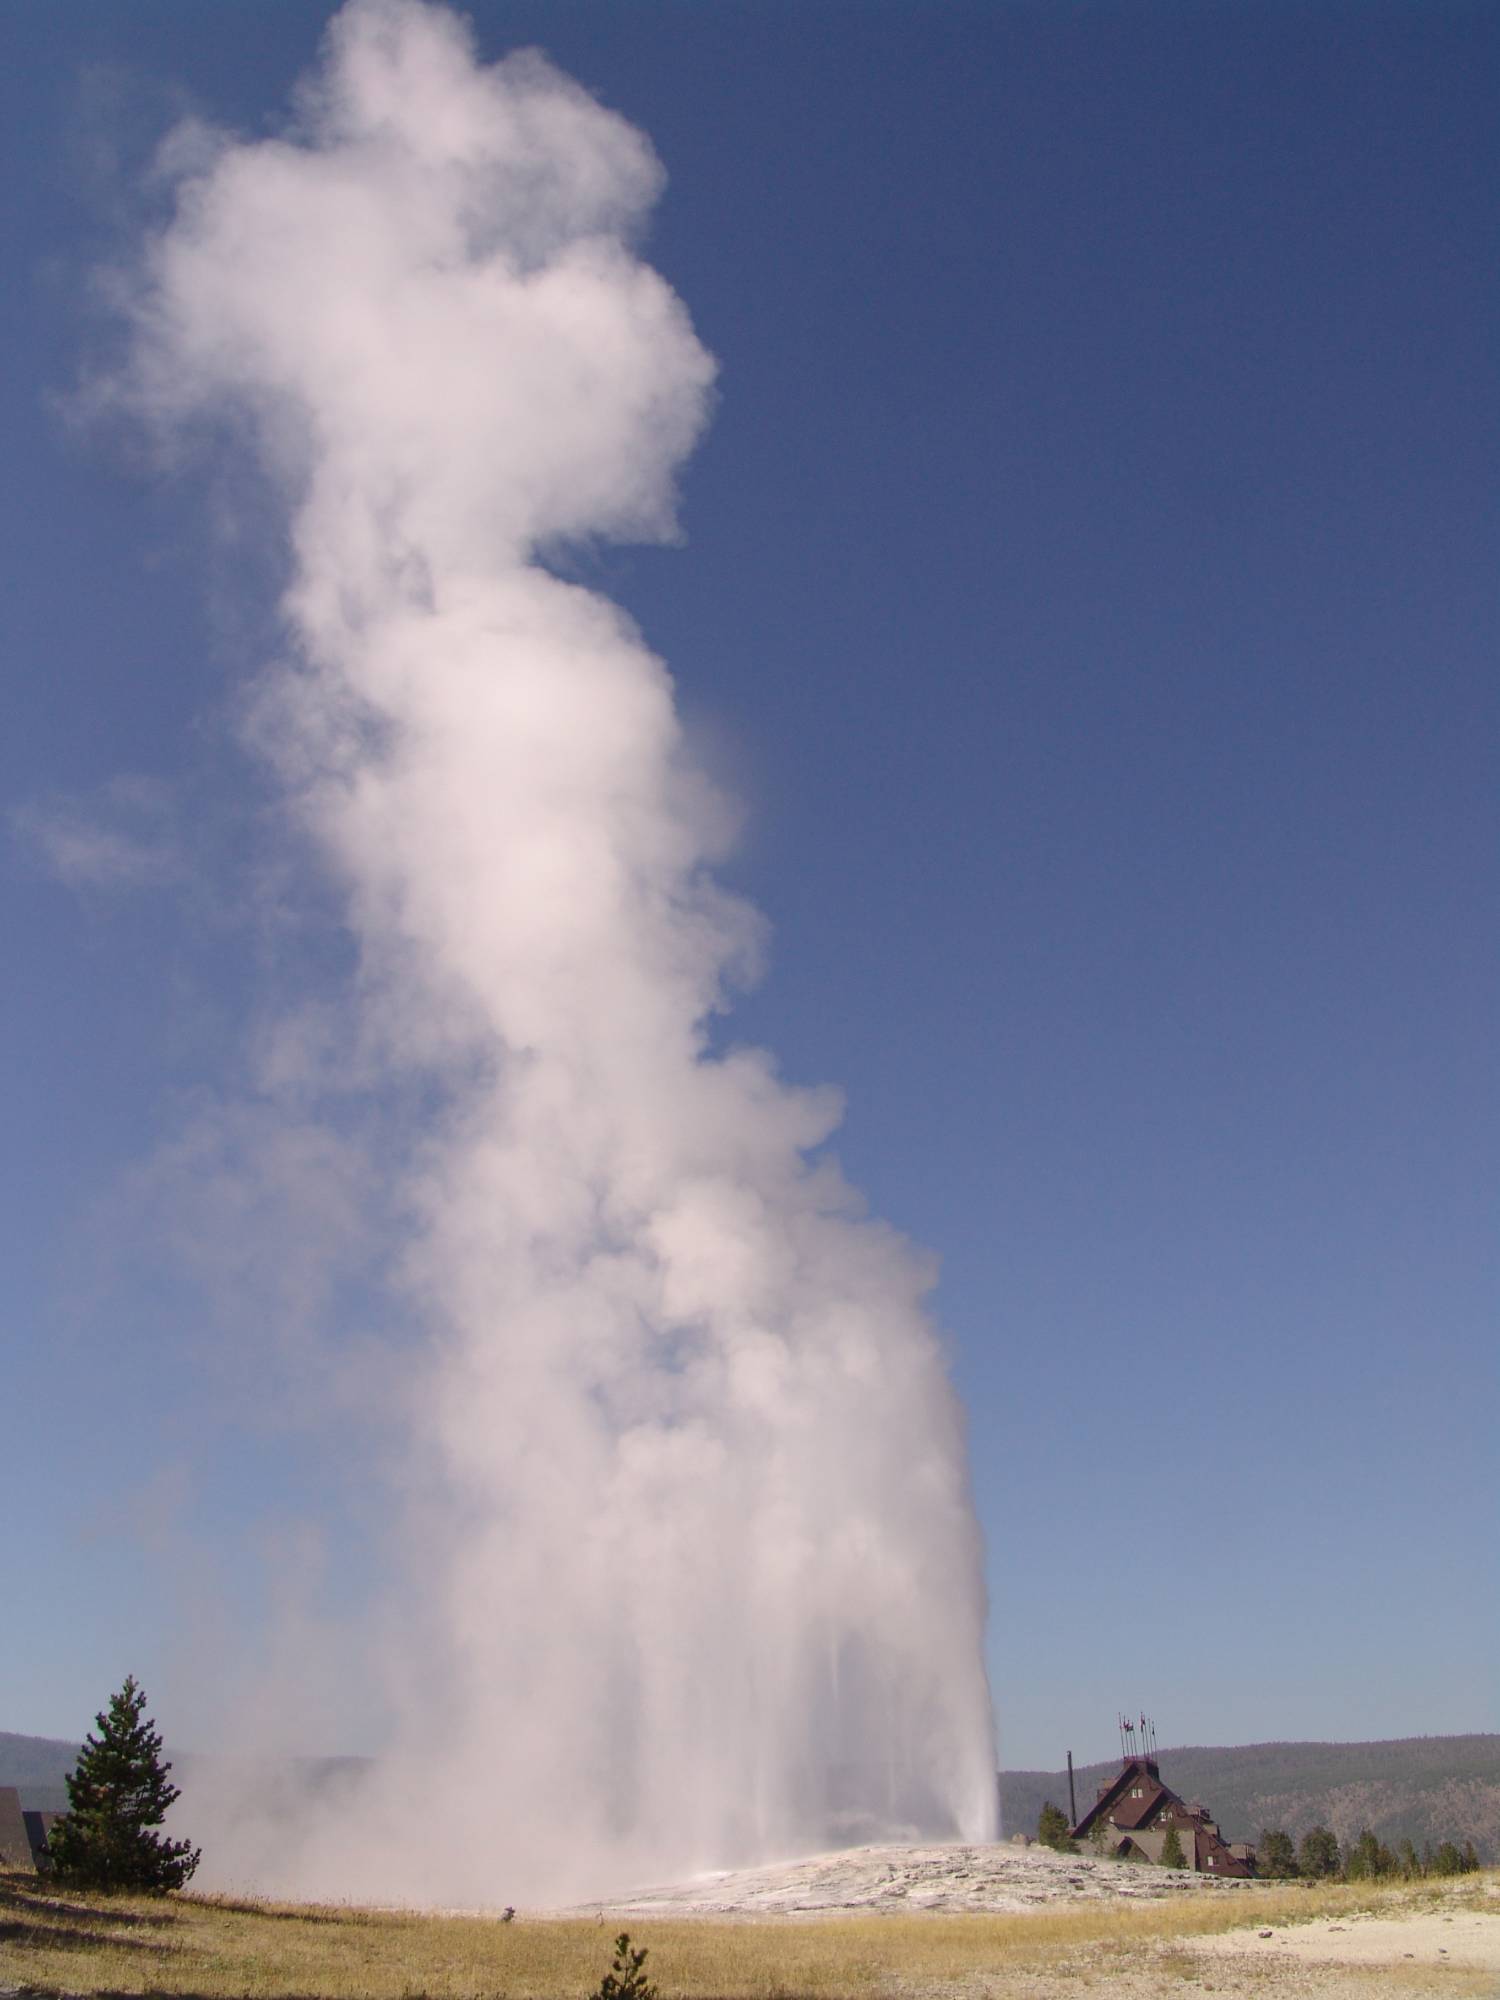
<point x="1318" y="1857"/>
<point x="1426" y="1789"/>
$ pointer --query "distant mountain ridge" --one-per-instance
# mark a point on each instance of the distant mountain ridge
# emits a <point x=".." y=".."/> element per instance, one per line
<point x="38" y="1767"/>
<point x="1417" y="1788"/>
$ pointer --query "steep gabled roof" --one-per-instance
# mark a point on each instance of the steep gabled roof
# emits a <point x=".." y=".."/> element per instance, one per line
<point x="1115" y="1802"/>
<point x="1132" y="1812"/>
<point x="1158" y="1803"/>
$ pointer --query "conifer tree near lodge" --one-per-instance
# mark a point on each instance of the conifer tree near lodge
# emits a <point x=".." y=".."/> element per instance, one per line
<point x="117" y="1793"/>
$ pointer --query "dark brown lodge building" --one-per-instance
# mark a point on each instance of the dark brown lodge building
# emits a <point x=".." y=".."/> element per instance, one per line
<point x="1134" y="1812"/>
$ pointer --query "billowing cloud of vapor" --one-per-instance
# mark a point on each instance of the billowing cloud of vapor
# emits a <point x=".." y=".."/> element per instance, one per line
<point x="701" y="1578"/>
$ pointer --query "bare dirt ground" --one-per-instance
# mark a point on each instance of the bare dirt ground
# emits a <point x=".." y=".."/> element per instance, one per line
<point x="1452" y="1934"/>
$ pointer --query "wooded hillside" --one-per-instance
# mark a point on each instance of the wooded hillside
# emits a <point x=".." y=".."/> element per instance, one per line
<point x="1421" y="1788"/>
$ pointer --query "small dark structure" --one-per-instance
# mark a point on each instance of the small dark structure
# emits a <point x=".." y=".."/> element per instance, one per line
<point x="1134" y="1813"/>
<point x="23" y="1835"/>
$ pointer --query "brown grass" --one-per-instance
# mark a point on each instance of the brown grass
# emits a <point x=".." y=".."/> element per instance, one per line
<point x="227" y="1949"/>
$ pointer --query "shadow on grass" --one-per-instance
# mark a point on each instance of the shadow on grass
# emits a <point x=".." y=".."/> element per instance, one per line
<point x="50" y="1920"/>
<point x="310" y="1915"/>
<point x="47" y="1937"/>
<point x="35" y="1893"/>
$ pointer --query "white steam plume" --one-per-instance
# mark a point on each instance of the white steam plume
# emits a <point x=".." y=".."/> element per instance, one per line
<point x="702" y="1576"/>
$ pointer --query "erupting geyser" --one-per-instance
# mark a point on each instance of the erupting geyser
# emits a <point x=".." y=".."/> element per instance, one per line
<point x="703" y="1583"/>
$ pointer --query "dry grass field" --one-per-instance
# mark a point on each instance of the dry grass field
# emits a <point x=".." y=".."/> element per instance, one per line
<point x="222" y="1949"/>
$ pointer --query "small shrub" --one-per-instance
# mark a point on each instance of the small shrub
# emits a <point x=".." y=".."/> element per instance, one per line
<point x="626" y="1979"/>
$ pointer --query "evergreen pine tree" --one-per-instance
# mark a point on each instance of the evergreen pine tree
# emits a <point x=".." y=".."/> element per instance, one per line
<point x="1318" y="1855"/>
<point x="117" y="1792"/>
<point x="1052" y="1828"/>
<point x="1275" y="1854"/>
<point x="1172" y="1855"/>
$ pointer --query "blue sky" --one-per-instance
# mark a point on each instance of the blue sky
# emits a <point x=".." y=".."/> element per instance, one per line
<point x="1088" y="589"/>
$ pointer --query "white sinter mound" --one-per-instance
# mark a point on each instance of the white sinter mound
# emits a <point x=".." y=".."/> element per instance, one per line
<point x="948" y="1876"/>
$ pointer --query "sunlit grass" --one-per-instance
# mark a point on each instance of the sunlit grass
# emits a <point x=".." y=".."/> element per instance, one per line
<point x="224" y="1948"/>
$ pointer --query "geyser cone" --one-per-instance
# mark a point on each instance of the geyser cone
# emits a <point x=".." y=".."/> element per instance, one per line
<point x="699" y="1577"/>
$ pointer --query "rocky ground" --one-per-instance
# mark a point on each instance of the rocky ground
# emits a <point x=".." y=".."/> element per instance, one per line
<point x="1007" y="1877"/>
<point x="1437" y="1942"/>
